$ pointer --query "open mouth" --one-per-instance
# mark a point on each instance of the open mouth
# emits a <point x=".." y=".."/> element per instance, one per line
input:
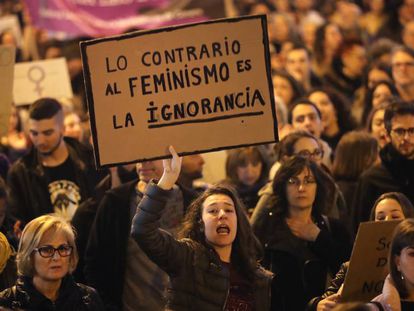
<point x="223" y="229"/>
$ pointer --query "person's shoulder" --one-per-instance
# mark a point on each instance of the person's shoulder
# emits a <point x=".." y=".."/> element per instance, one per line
<point x="89" y="295"/>
<point x="8" y="296"/>
<point x="376" y="171"/>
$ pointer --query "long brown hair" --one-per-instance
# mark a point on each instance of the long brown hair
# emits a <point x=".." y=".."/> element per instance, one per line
<point x="246" y="249"/>
<point x="403" y="237"/>
<point x="356" y="152"/>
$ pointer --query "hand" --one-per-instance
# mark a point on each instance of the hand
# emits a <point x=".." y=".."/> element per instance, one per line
<point x="328" y="303"/>
<point x="172" y="168"/>
<point x="306" y="231"/>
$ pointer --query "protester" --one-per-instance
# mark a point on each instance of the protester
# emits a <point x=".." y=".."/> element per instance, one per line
<point x="58" y="173"/>
<point x="355" y="153"/>
<point x="400" y="291"/>
<point x="396" y="170"/>
<point x="127" y="285"/>
<point x="375" y="124"/>
<point x="301" y="244"/>
<point x="247" y="171"/>
<point x="336" y="117"/>
<point x="214" y="265"/>
<point x="8" y="272"/>
<point x="46" y="258"/>
<point x="305" y="115"/>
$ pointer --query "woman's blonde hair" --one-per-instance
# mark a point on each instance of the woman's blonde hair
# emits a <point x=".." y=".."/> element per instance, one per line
<point x="30" y="239"/>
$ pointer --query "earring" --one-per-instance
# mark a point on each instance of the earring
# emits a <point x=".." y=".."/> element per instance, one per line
<point x="402" y="276"/>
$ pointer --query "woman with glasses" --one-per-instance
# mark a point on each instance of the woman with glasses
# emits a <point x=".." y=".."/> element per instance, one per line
<point x="46" y="258"/>
<point x="302" y="143"/>
<point x="301" y="244"/>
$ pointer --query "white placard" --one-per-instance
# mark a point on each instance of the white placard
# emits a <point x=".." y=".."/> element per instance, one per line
<point x="46" y="78"/>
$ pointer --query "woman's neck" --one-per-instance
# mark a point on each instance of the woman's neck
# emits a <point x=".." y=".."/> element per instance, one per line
<point x="301" y="214"/>
<point x="410" y="288"/>
<point x="49" y="289"/>
<point x="224" y="252"/>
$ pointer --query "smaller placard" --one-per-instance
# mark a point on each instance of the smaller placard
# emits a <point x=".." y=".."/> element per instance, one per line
<point x="11" y="23"/>
<point x="369" y="261"/>
<point x="7" y="57"/>
<point x="45" y="78"/>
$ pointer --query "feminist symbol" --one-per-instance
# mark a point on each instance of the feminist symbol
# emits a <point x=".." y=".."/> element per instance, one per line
<point x="36" y="74"/>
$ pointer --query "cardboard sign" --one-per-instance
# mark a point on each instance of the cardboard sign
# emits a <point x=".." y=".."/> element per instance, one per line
<point x="46" y="78"/>
<point x="11" y="23"/>
<point x="199" y="87"/>
<point x="7" y="57"/>
<point x="369" y="261"/>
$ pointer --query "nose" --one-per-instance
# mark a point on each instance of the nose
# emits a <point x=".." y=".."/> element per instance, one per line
<point x="388" y="217"/>
<point x="222" y="213"/>
<point x="56" y="255"/>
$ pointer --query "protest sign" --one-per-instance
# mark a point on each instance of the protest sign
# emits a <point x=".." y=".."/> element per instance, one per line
<point x="369" y="261"/>
<point x="46" y="78"/>
<point x="199" y="87"/>
<point x="7" y="56"/>
<point x="11" y="24"/>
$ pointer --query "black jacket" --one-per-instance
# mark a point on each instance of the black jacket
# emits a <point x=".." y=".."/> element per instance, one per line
<point x="105" y="255"/>
<point x="199" y="281"/>
<point x="332" y="289"/>
<point x="395" y="173"/>
<point x="301" y="267"/>
<point x="29" y="194"/>
<point x="72" y="297"/>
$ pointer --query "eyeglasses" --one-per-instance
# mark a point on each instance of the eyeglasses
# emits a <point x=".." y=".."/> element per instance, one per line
<point x="317" y="154"/>
<point x="294" y="181"/>
<point x="403" y="64"/>
<point x="400" y="132"/>
<point x="48" y="251"/>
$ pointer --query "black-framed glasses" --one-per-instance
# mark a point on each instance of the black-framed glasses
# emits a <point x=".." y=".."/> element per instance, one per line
<point x="317" y="154"/>
<point x="400" y="132"/>
<point x="48" y="251"/>
<point x="308" y="180"/>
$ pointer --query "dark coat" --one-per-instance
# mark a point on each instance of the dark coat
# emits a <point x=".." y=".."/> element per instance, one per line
<point x="301" y="267"/>
<point x="199" y="281"/>
<point x="106" y="251"/>
<point x="332" y="289"/>
<point x="395" y="173"/>
<point x="29" y="194"/>
<point x="72" y="297"/>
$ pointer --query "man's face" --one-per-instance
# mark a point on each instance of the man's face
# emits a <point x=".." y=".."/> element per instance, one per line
<point x="298" y="65"/>
<point x="149" y="170"/>
<point x="305" y="117"/>
<point x="46" y="134"/>
<point x="402" y="135"/>
<point x="403" y="69"/>
<point x="192" y="166"/>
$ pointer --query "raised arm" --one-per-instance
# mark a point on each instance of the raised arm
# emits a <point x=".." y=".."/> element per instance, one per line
<point x="161" y="247"/>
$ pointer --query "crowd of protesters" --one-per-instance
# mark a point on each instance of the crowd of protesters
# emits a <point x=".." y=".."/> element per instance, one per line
<point x="273" y="232"/>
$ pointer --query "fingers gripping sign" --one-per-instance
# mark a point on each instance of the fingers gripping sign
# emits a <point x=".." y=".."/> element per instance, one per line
<point x="172" y="168"/>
